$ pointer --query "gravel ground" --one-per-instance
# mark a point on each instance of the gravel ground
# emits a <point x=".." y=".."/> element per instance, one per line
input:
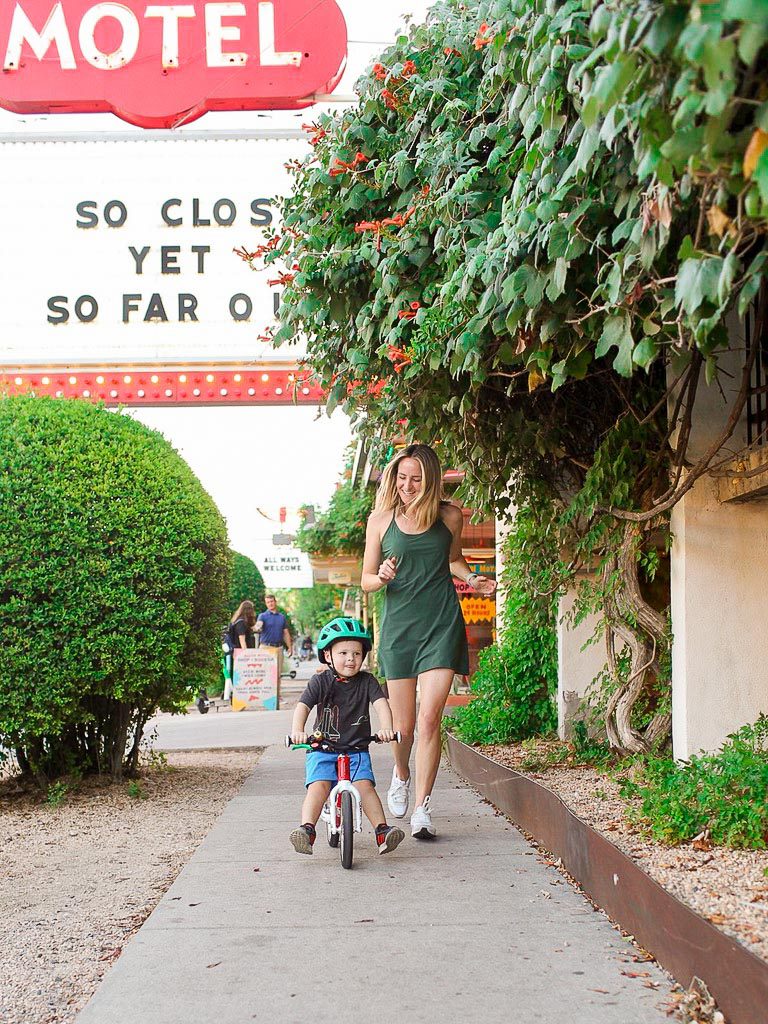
<point x="77" y="880"/>
<point x="727" y="887"/>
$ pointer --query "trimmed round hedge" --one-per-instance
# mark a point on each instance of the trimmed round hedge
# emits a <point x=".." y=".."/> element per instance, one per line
<point x="114" y="574"/>
<point x="247" y="583"/>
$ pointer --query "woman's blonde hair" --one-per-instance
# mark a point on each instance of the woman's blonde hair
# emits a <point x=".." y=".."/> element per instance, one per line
<point x="246" y="612"/>
<point x="425" y="509"/>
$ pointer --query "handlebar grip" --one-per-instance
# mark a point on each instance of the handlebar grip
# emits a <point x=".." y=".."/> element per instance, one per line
<point x="296" y="746"/>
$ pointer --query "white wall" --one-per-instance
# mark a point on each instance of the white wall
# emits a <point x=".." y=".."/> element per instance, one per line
<point x="719" y="612"/>
<point x="719" y="586"/>
<point x="577" y="664"/>
<point x="503" y="528"/>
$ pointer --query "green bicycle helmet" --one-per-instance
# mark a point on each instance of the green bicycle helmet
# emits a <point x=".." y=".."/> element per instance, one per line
<point x="343" y="629"/>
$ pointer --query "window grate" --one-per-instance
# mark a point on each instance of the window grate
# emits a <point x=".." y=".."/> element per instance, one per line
<point x="756" y="333"/>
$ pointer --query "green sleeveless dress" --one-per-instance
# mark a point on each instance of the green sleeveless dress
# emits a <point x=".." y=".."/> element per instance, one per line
<point x="422" y="626"/>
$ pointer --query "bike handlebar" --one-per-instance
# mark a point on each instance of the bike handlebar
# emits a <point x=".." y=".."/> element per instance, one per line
<point x="321" y="743"/>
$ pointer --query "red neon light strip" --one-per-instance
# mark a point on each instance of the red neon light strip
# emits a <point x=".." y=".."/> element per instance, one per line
<point x="163" y="386"/>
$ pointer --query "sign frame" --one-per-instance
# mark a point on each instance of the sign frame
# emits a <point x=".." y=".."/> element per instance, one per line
<point x="255" y="679"/>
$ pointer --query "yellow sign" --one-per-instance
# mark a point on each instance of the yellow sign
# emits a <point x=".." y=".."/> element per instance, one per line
<point x="478" y="609"/>
<point x="255" y="679"/>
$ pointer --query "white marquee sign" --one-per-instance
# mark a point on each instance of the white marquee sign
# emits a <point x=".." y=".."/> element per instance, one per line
<point x="122" y="252"/>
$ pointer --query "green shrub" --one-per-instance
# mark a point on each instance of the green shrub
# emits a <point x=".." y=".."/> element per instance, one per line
<point x="340" y="530"/>
<point x="247" y="583"/>
<point x="113" y="578"/>
<point x="587" y="749"/>
<point x="56" y="793"/>
<point x="516" y="679"/>
<point x="512" y="684"/>
<point x="725" y="793"/>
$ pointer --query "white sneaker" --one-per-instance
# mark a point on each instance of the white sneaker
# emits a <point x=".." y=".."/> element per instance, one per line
<point x="421" y="822"/>
<point x="398" y="795"/>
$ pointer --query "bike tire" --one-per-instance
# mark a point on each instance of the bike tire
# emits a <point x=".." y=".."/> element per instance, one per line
<point x="347" y="830"/>
<point x="333" y="837"/>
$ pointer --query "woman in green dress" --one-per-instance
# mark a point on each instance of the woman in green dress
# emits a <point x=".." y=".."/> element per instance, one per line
<point x="413" y="548"/>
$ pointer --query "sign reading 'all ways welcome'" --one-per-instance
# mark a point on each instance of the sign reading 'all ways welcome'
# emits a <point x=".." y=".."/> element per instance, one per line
<point x="160" y="65"/>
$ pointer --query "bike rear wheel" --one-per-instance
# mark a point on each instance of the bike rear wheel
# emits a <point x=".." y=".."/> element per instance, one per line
<point x="347" y="830"/>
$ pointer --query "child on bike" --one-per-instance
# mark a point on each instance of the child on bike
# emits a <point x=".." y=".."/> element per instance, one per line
<point x="342" y="695"/>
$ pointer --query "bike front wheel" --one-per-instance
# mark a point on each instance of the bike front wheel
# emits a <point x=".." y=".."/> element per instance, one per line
<point x="333" y="837"/>
<point x="347" y="830"/>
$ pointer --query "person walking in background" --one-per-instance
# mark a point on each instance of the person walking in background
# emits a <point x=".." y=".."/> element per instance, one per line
<point x="242" y="626"/>
<point x="272" y="627"/>
<point x="306" y="651"/>
<point x="241" y="635"/>
<point x="412" y="548"/>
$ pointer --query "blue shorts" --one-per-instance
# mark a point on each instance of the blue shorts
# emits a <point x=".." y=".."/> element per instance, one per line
<point x="321" y="767"/>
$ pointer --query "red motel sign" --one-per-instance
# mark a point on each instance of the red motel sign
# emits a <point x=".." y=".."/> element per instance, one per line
<point x="161" y="65"/>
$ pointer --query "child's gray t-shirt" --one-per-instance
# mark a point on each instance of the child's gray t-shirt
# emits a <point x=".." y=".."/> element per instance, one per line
<point x="343" y="714"/>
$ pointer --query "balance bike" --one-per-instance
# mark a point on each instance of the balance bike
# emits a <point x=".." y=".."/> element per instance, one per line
<point x="343" y="810"/>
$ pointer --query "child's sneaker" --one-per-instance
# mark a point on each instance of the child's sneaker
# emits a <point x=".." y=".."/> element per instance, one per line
<point x="421" y="821"/>
<point x="388" y="838"/>
<point x="303" y="838"/>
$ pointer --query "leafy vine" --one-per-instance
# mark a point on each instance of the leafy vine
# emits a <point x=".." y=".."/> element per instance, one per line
<point x="524" y="243"/>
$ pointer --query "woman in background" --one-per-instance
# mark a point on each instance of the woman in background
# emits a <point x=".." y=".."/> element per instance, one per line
<point x="241" y="626"/>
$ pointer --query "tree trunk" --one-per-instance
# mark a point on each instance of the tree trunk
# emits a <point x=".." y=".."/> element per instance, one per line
<point x="132" y="761"/>
<point x="121" y="720"/>
<point x="36" y="759"/>
<point x="642" y="630"/>
<point x="21" y="757"/>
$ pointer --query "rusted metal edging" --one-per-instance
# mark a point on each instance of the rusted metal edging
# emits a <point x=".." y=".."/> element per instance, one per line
<point x="681" y="940"/>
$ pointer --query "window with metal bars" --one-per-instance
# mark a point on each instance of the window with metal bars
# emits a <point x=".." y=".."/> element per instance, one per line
<point x="756" y="333"/>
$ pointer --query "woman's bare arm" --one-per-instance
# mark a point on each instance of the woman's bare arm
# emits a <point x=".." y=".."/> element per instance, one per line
<point x="454" y="520"/>
<point x="376" y="573"/>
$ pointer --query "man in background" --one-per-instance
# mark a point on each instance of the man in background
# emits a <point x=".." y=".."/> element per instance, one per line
<point x="272" y="627"/>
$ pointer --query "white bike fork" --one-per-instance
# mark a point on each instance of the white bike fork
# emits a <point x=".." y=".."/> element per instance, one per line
<point x="330" y="812"/>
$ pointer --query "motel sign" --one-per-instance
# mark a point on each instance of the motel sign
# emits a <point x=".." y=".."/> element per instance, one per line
<point x="161" y="65"/>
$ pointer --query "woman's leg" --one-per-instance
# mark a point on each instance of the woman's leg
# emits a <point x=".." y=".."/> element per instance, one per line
<point x="402" y="700"/>
<point x="434" y="687"/>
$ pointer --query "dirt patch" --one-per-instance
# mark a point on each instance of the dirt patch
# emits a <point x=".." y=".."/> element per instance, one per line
<point x="78" y="879"/>
<point x="727" y="887"/>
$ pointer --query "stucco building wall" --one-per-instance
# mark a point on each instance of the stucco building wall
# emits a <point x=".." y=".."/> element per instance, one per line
<point x="579" y="662"/>
<point x="719" y="618"/>
<point x="719" y="591"/>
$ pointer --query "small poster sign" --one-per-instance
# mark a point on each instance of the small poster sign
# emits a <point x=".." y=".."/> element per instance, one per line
<point x="255" y="680"/>
<point x="285" y="568"/>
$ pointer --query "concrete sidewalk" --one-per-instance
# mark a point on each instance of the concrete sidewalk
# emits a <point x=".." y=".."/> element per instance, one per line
<point x="469" y="927"/>
<point x="218" y="729"/>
